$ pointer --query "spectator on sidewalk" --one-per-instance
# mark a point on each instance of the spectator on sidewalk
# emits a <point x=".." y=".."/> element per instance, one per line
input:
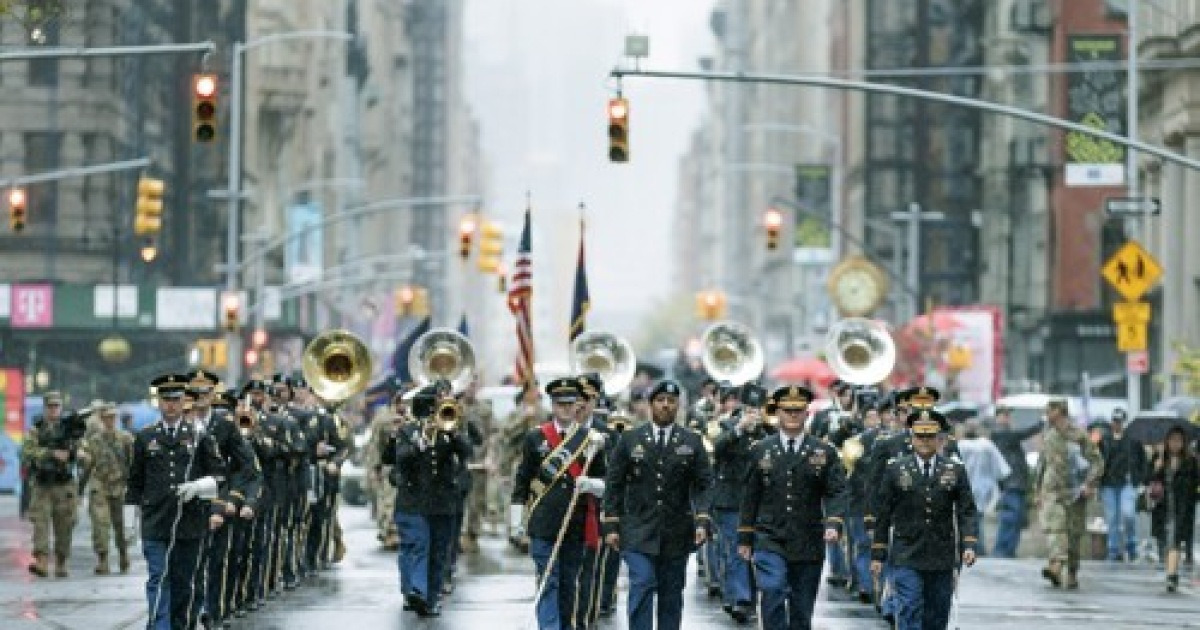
<point x="986" y="468"/>
<point x="1124" y="470"/>
<point x="1014" y="488"/>
<point x="1174" y="476"/>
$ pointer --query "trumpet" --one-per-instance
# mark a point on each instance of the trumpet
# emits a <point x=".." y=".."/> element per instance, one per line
<point x="447" y="418"/>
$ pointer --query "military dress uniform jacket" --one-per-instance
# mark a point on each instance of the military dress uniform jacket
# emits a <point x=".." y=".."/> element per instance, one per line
<point x="160" y="463"/>
<point x="272" y="444"/>
<point x="656" y="498"/>
<point x="732" y="455"/>
<point x="427" y="480"/>
<point x="321" y="426"/>
<point x="858" y="481"/>
<point x="243" y="475"/>
<point x="921" y="512"/>
<point x="893" y="447"/>
<point x="792" y="498"/>
<point x="545" y="511"/>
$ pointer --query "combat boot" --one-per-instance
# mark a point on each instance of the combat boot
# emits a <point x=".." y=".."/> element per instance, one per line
<point x="102" y="564"/>
<point x="39" y="566"/>
<point x="1072" y="579"/>
<point x="60" y="567"/>
<point x="123" y="562"/>
<point x="1053" y="572"/>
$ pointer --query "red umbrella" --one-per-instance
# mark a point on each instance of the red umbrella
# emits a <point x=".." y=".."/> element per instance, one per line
<point x="804" y="369"/>
<point x="938" y="321"/>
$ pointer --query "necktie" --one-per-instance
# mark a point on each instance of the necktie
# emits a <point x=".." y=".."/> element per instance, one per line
<point x="791" y="445"/>
<point x="662" y="438"/>
<point x="928" y="467"/>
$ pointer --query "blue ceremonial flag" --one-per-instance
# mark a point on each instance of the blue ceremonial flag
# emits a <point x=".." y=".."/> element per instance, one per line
<point x="581" y="301"/>
<point x="462" y="326"/>
<point x="400" y="356"/>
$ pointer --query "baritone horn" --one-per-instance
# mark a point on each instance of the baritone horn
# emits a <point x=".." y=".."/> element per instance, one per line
<point x="442" y="354"/>
<point x="730" y="352"/>
<point x="860" y="351"/>
<point x="337" y="365"/>
<point x="607" y="355"/>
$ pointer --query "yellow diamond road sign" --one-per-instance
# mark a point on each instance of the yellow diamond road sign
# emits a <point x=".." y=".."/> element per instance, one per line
<point x="1132" y="271"/>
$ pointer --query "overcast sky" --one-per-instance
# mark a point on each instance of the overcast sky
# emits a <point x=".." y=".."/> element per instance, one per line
<point x="537" y="80"/>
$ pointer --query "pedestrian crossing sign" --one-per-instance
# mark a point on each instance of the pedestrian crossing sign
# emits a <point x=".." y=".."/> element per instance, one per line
<point x="1132" y="271"/>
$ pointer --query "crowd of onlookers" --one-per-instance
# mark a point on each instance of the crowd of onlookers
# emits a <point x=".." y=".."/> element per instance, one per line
<point x="1160" y="479"/>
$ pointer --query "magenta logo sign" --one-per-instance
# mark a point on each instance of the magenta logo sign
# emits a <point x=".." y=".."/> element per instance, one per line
<point x="32" y="306"/>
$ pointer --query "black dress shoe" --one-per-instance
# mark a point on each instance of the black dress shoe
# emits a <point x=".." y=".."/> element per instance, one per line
<point x="417" y="604"/>
<point x="741" y="612"/>
<point x="864" y="597"/>
<point x="607" y="611"/>
<point x="430" y="611"/>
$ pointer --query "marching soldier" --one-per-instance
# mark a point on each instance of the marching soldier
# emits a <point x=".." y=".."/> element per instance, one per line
<point x="528" y="415"/>
<point x="1067" y="475"/>
<point x="105" y="456"/>
<point x="174" y="473"/>
<point x="831" y="425"/>
<point x="49" y="454"/>
<point x="236" y="498"/>
<point x="796" y="482"/>
<point x="656" y="509"/>
<point x="732" y="457"/>
<point x="271" y="442"/>
<point x="925" y="524"/>
<point x="378" y="475"/>
<point x="479" y="416"/>
<point x="557" y="483"/>
<point x="424" y="460"/>
<point x="329" y="438"/>
<point x="297" y="487"/>
<point x="599" y="563"/>
<point x="858" y="519"/>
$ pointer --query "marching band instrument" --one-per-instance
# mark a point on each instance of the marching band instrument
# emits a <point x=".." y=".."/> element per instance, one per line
<point x="442" y="354"/>
<point x="730" y="352"/>
<point x="852" y="450"/>
<point x="447" y="418"/>
<point x="607" y="355"/>
<point x="337" y="365"/>
<point x="860" y="351"/>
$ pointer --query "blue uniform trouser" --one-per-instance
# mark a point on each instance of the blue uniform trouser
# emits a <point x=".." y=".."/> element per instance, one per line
<point x="611" y="569"/>
<point x="888" y="604"/>
<point x="1120" y="513"/>
<point x="171" y="593"/>
<point x="860" y="546"/>
<point x="651" y="576"/>
<point x="424" y="550"/>
<point x="923" y="598"/>
<point x="1011" y="514"/>
<point x="735" y="579"/>
<point x="837" y="560"/>
<point x="789" y="590"/>
<point x="714" y="564"/>
<point x="558" y="595"/>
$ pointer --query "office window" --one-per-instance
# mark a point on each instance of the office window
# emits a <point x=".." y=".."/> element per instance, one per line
<point x="43" y="72"/>
<point x="41" y="154"/>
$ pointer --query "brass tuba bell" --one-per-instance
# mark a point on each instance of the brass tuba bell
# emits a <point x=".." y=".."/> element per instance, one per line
<point x="607" y="355"/>
<point x="730" y="352"/>
<point x="337" y="365"/>
<point x="860" y="351"/>
<point x="442" y="354"/>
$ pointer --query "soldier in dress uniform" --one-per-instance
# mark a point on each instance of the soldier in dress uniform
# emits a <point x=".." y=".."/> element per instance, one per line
<point x="425" y="461"/>
<point x="731" y="462"/>
<point x="105" y="457"/>
<point x="297" y="493"/>
<point x="174" y="474"/>
<point x="271" y="442"/>
<point x="599" y="563"/>
<point x="555" y="492"/>
<point x="328" y="436"/>
<point x="859" y="521"/>
<point x="1067" y="475"/>
<point x="49" y="455"/>
<point x="791" y="509"/>
<point x="925" y="525"/>
<point x="656" y="508"/>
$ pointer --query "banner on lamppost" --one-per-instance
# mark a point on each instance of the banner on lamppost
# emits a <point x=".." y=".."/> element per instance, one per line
<point x="302" y="254"/>
<point x="814" y="194"/>
<point x="1096" y="98"/>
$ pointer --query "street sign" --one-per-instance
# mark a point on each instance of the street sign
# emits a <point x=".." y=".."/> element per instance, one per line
<point x="1131" y="337"/>
<point x="1137" y="362"/>
<point x="1132" y="270"/>
<point x="1131" y="312"/>
<point x="1132" y="205"/>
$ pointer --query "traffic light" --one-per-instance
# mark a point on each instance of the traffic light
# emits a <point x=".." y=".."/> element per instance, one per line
<point x="773" y="222"/>
<point x="491" y="247"/>
<point x="231" y="311"/>
<point x="420" y="303"/>
<point x="466" y="231"/>
<point x="404" y="299"/>
<point x="618" y="130"/>
<point x="210" y="353"/>
<point x="710" y="305"/>
<point x="204" y="108"/>
<point x="16" y="209"/>
<point x="148" y="211"/>
<point x="251" y="357"/>
<point x="259" y="338"/>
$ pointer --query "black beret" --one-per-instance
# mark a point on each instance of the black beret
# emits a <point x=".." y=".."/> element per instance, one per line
<point x="666" y="386"/>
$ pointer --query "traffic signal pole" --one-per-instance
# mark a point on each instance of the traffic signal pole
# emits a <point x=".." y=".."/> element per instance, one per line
<point x="60" y="52"/>
<point x="79" y="171"/>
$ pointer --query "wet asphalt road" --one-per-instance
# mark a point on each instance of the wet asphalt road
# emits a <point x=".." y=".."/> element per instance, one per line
<point x="495" y="592"/>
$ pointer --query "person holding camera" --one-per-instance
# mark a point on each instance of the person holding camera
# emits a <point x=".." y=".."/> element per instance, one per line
<point x="50" y="453"/>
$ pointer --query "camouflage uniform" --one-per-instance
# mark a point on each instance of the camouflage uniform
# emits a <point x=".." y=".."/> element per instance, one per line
<point x="479" y="413"/>
<point x="108" y="454"/>
<point x="376" y="477"/>
<point x="53" y="491"/>
<point x="1057" y="485"/>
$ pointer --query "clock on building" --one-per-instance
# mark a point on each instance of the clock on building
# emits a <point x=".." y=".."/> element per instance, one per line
<point x="857" y="286"/>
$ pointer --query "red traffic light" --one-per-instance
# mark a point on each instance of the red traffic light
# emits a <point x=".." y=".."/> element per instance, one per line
<point x="618" y="108"/>
<point x="773" y="219"/>
<point x="206" y="85"/>
<point x="16" y="197"/>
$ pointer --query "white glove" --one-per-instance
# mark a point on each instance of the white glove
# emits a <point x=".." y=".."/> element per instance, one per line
<point x="203" y="488"/>
<point x="596" y="441"/>
<point x="422" y="444"/>
<point x="516" y="520"/>
<point x="590" y="485"/>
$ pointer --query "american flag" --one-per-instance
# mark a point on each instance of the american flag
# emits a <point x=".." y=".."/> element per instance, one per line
<point x="520" y="293"/>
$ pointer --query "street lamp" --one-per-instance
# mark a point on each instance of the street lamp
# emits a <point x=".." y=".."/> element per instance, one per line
<point x="235" y="163"/>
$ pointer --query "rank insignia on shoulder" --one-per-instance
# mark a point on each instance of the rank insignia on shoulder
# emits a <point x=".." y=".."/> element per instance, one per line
<point x="817" y="459"/>
<point x="949" y="477"/>
<point x="684" y="450"/>
<point x="765" y="462"/>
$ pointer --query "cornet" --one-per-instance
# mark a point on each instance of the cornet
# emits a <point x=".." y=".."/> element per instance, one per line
<point x="447" y="418"/>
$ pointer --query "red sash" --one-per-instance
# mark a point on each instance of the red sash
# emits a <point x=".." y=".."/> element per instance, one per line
<point x="591" y="527"/>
